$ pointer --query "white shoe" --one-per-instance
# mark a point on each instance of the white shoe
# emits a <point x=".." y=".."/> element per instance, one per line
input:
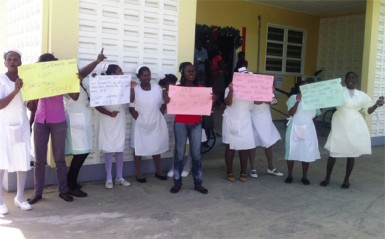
<point x="170" y="174"/>
<point x="253" y="173"/>
<point x="3" y="209"/>
<point x="25" y="206"/>
<point x="185" y="173"/>
<point x="122" y="182"/>
<point x="109" y="184"/>
<point x="274" y="172"/>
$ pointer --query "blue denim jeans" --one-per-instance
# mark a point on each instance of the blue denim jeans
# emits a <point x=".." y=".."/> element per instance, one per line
<point x="193" y="132"/>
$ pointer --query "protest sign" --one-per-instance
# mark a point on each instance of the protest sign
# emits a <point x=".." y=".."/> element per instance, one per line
<point x="110" y="90"/>
<point x="45" y="79"/>
<point x="253" y="87"/>
<point x="323" y="94"/>
<point x="189" y="100"/>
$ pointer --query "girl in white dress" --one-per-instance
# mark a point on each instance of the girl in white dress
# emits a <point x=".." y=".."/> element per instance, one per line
<point x="79" y="128"/>
<point x="265" y="134"/>
<point x="15" y="148"/>
<point x="349" y="136"/>
<point x="301" y="138"/>
<point x="237" y="132"/>
<point x="112" y="135"/>
<point x="150" y="128"/>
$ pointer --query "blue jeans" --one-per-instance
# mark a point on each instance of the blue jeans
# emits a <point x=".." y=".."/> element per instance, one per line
<point x="193" y="132"/>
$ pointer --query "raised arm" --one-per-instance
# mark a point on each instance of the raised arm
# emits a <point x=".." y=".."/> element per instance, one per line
<point x="85" y="71"/>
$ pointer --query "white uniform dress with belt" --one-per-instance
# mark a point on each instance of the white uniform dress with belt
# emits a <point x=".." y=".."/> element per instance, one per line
<point x="15" y="145"/>
<point x="112" y="130"/>
<point x="150" y="131"/>
<point x="79" y="122"/>
<point x="349" y="135"/>
<point x="301" y="135"/>
<point x="265" y="132"/>
<point x="237" y="128"/>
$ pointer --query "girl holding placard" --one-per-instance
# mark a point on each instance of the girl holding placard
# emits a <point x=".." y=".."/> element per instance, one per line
<point x="112" y="135"/>
<point x="237" y="132"/>
<point x="349" y="136"/>
<point x="15" y="148"/>
<point x="301" y="138"/>
<point x="188" y="126"/>
<point x="79" y="128"/>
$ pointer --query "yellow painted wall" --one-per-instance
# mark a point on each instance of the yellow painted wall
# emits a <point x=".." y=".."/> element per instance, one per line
<point x="60" y="31"/>
<point x="186" y="30"/>
<point x="370" y="48"/>
<point x="240" y="14"/>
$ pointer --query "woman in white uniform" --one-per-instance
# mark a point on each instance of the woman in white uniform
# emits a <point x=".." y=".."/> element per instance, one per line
<point x="79" y="128"/>
<point x="150" y="128"/>
<point x="265" y="134"/>
<point x="349" y="136"/>
<point x="301" y="138"/>
<point x="237" y="132"/>
<point x="112" y="135"/>
<point x="15" y="148"/>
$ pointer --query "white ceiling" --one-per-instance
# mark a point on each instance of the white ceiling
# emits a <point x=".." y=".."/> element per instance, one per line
<point x="318" y="7"/>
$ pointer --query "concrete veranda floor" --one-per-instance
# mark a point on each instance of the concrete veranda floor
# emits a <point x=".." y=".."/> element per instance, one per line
<point x="265" y="207"/>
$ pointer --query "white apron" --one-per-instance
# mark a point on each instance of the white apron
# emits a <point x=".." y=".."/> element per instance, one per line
<point x="79" y="123"/>
<point x="265" y="132"/>
<point x="112" y="131"/>
<point x="237" y="129"/>
<point x="303" y="144"/>
<point x="150" y="131"/>
<point x="15" y="145"/>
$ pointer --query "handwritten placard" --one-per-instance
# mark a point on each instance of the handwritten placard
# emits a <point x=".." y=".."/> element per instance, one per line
<point x="110" y="90"/>
<point x="253" y="87"/>
<point x="45" y="79"/>
<point x="322" y="94"/>
<point x="189" y="100"/>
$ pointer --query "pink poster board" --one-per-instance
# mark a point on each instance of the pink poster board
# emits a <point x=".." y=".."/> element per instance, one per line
<point x="253" y="87"/>
<point x="189" y="100"/>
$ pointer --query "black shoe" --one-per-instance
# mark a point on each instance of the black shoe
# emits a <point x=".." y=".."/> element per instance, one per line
<point x="79" y="186"/>
<point x="288" y="180"/>
<point x="66" y="197"/>
<point x="201" y="189"/>
<point x="305" y="181"/>
<point x="35" y="199"/>
<point x="78" y="193"/>
<point x="141" y="180"/>
<point x="176" y="188"/>
<point x="161" y="177"/>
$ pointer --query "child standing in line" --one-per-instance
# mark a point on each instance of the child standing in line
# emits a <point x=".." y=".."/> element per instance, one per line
<point x="79" y="128"/>
<point x="150" y="132"/>
<point x="265" y="134"/>
<point x="170" y="79"/>
<point x="301" y="137"/>
<point x="112" y="134"/>
<point x="188" y="127"/>
<point x="15" y="148"/>
<point x="237" y="132"/>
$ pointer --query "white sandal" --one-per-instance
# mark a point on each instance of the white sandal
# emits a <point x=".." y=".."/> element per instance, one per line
<point x="274" y="172"/>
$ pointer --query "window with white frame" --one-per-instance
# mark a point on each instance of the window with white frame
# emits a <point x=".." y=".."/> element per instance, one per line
<point x="285" y="49"/>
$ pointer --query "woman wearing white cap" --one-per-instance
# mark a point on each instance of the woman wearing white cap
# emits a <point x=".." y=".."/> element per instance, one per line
<point x="15" y="148"/>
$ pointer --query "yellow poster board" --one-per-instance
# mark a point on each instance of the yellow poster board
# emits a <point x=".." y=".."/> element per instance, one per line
<point x="45" y="79"/>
